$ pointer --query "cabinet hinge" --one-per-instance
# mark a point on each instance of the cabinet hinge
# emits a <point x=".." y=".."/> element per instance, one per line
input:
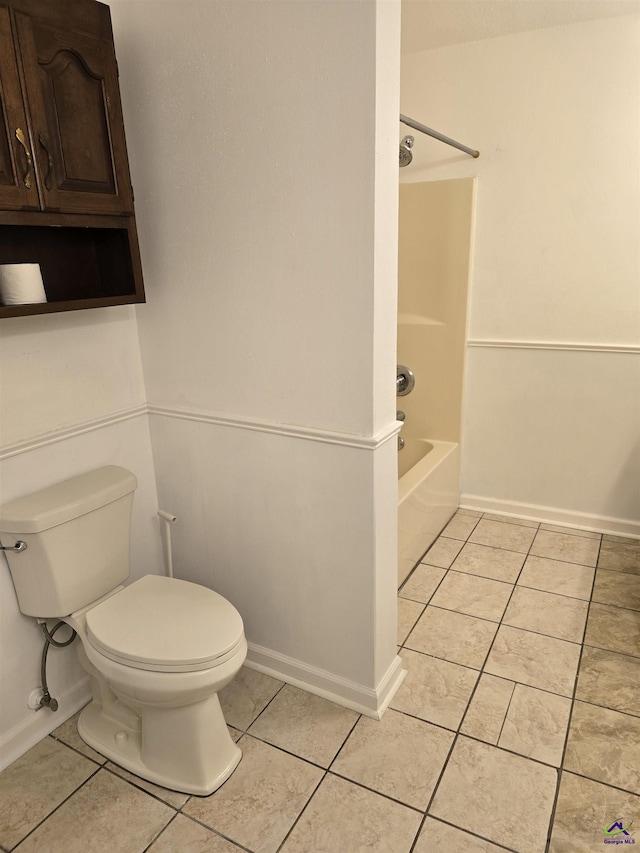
<point x="117" y="70"/>
<point x="133" y="195"/>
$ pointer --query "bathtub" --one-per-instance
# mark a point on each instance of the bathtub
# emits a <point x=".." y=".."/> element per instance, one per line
<point x="428" y="495"/>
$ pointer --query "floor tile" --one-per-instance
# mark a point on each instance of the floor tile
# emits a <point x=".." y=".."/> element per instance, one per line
<point x="85" y="823"/>
<point x="546" y="613"/>
<point x="186" y="836"/>
<point x="307" y="725"/>
<point x="408" y="614"/>
<point x="34" y="785"/>
<point x="442" y="553"/>
<point x="434" y="690"/>
<point x="422" y="583"/>
<point x="436" y="835"/>
<point x="614" y="629"/>
<point x="620" y="589"/>
<point x="557" y="577"/>
<point x="536" y="724"/>
<point x="620" y="555"/>
<point x="499" y="534"/>
<point x="604" y="745"/>
<point x="564" y="546"/>
<point x="453" y="636"/>
<point x="510" y="519"/>
<point x="345" y="817"/>
<point x="473" y="596"/>
<point x="460" y="526"/>
<point x="173" y="798"/>
<point x="534" y="659"/>
<point x="488" y="708"/>
<point x="258" y="804"/>
<point x="246" y="696"/>
<point x="583" y="812"/>
<point x="487" y="562"/>
<point x="68" y="733"/>
<point x="610" y="679"/>
<point x="571" y="531"/>
<point x="496" y="795"/>
<point x="398" y="756"/>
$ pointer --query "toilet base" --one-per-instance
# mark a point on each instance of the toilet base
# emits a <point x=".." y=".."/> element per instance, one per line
<point x="187" y="749"/>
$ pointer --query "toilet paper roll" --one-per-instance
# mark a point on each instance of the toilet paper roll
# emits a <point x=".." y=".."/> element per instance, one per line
<point x="21" y="284"/>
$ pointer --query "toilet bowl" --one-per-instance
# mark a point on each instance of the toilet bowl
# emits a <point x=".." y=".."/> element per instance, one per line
<point x="157" y="651"/>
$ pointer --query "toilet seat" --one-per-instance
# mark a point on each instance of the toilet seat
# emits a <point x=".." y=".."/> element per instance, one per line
<point x="163" y="624"/>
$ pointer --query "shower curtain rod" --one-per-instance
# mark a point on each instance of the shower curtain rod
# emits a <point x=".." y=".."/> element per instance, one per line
<point x="424" y="129"/>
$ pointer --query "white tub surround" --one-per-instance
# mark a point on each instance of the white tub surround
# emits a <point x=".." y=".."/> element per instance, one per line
<point x="428" y="495"/>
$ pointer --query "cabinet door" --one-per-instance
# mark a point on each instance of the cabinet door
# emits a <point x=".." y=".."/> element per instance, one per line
<point x="76" y="119"/>
<point x="17" y="177"/>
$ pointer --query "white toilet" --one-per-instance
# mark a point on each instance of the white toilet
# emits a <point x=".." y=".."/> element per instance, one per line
<point x="157" y="652"/>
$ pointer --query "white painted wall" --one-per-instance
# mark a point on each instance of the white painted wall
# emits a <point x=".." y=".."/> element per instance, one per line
<point x="263" y="158"/>
<point x="268" y="246"/>
<point x="71" y="393"/>
<point x="553" y="386"/>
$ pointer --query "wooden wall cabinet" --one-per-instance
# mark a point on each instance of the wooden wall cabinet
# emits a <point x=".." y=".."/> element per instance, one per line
<point x="63" y="160"/>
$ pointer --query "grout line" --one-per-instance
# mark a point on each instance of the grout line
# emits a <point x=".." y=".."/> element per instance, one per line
<point x="286" y="751"/>
<point x="303" y="810"/>
<point x="259" y="714"/>
<point x="435" y="790"/>
<point x="137" y="783"/>
<point x="473" y="834"/>
<point x="216" y="832"/>
<point x="506" y="713"/>
<point x="599" y="782"/>
<point x="76" y="750"/>
<point x="374" y="791"/>
<point x="159" y="833"/>
<point x="415" y="622"/>
<point x="342" y="746"/>
<point x="554" y="807"/>
<point x="612" y="651"/>
<point x="60" y="804"/>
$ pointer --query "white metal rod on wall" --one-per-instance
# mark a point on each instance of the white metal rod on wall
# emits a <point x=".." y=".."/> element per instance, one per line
<point x="424" y="129"/>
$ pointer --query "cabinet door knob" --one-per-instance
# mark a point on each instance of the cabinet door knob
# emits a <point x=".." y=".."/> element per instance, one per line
<point x="26" y="180"/>
<point x="43" y="142"/>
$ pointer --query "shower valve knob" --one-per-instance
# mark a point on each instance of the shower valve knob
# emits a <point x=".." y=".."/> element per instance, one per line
<point x="405" y="380"/>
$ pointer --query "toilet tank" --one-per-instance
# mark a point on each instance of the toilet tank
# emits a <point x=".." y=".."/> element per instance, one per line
<point x="77" y="534"/>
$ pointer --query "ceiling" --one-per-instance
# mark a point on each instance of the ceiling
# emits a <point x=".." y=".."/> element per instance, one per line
<point x="427" y="24"/>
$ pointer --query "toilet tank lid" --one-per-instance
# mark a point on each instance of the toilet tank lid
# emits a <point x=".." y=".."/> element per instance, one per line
<point x="66" y="500"/>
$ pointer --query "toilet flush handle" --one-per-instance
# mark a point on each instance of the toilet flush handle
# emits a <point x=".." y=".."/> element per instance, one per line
<point x="17" y="548"/>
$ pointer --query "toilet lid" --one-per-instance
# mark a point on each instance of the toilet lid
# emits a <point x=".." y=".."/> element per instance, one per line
<point x="161" y="623"/>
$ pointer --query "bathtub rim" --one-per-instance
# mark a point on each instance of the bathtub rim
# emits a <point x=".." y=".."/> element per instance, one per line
<point x="429" y="462"/>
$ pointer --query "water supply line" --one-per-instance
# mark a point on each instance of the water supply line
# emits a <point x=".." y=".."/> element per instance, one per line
<point x="167" y="520"/>
<point x="46" y="700"/>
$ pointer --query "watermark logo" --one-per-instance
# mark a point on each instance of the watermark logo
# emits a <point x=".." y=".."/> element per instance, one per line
<point x="619" y="832"/>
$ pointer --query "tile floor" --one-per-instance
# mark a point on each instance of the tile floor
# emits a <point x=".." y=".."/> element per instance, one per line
<point x="517" y="727"/>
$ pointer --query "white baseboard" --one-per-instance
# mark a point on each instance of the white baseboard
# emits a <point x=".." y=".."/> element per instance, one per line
<point x="29" y="731"/>
<point x="554" y="515"/>
<point x="350" y="694"/>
